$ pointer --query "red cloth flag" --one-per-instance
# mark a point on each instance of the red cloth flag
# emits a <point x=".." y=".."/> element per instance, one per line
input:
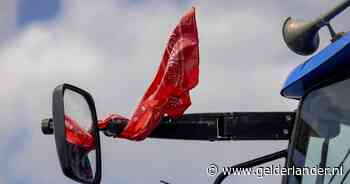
<point x="168" y="94"/>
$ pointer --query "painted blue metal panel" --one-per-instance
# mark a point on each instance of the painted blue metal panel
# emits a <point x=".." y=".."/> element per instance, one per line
<point x="306" y="75"/>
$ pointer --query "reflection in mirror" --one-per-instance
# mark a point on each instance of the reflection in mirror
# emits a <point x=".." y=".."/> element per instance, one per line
<point x="79" y="135"/>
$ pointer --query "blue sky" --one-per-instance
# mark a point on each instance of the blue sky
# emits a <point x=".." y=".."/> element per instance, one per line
<point x="37" y="10"/>
<point x="112" y="48"/>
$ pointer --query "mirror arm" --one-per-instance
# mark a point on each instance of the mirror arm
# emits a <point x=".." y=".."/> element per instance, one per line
<point x="227" y="126"/>
<point x="212" y="126"/>
<point x="219" y="126"/>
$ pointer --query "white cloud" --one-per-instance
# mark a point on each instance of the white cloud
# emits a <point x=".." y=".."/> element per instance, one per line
<point x="113" y="48"/>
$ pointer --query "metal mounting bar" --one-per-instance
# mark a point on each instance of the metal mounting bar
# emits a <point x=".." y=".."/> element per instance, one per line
<point x="214" y="126"/>
<point x="227" y="126"/>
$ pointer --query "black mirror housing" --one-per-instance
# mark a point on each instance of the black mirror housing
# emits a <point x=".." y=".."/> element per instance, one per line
<point x="62" y="145"/>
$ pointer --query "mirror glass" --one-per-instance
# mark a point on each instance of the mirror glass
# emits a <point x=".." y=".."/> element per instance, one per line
<point x="79" y="136"/>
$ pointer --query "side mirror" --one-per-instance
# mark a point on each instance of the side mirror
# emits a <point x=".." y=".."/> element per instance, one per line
<point x="76" y="133"/>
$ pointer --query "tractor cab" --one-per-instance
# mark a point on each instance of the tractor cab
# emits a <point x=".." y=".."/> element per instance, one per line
<point x="322" y="127"/>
